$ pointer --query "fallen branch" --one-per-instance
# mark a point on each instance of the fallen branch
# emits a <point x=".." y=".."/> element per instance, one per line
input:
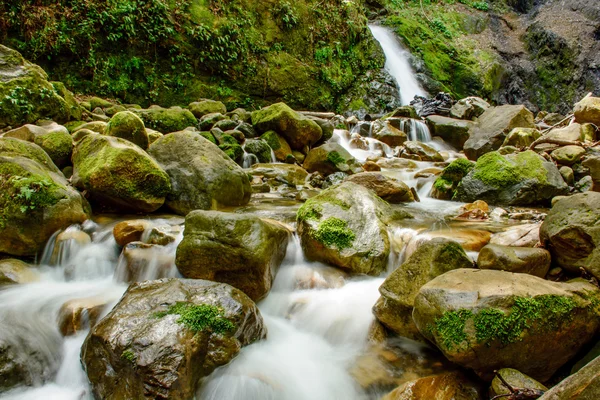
<point x="518" y="393"/>
<point x="544" y="138"/>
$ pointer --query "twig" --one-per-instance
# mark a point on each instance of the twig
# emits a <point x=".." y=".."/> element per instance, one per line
<point x="544" y="138"/>
<point x="423" y="11"/>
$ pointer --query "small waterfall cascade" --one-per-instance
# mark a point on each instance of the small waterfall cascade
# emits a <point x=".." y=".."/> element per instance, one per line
<point x="416" y="130"/>
<point x="397" y="64"/>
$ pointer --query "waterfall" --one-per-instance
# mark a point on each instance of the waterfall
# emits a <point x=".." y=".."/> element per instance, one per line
<point x="396" y="63"/>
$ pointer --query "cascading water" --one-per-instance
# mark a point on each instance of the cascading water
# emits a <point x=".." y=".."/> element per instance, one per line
<point x="397" y="64"/>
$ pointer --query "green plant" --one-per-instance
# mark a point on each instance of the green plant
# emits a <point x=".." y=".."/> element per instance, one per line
<point x="335" y="232"/>
<point x="200" y="317"/>
<point x="33" y="193"/>
<point x="129" y="356"/>
<point x="287" y="13"/>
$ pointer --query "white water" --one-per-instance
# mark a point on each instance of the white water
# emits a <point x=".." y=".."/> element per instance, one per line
<point x="397" y="64"/>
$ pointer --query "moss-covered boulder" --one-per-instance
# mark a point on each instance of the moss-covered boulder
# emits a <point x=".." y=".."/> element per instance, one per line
<point x="167" y="120"/>
<point x="331" y="158"/>
<point x="54" y="139"/>
<point x="488" y="320"/>
<point x="260" y="149"/>
<point x="445" y="185"/>
<point x="35" y="198"/>
<point x="521" y="137"/>
<point x="278" y="144"/>
<point x="203" y="107"/>
<point x="389" y="189"/>
<point x="75" y="110"/>
<point x="516" y="380"/>
<point x="241" y="250"/>
<point x="128" y="126"/>
<point x="94" y="126"/>
<point x="118" y="175"/>
<point x="571" y="233"/>
<point x="165" y="335"/>
<point x="26" y="95"/>
<point x="523" y="260"/>
<point x="298" y="130"/>
<point x="493" y="125"/>
<point x="454" y="131"/>
<point x="395" y="306"/>
<point x="202" y="176"/>
<point x="514" y="179"/>
<point x="345" y="226"/>
<point x="588" y="111"/>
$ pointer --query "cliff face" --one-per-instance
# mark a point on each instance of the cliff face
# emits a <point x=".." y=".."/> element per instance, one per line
<point x="542" y="53"/>
<point x="308" y="53"/>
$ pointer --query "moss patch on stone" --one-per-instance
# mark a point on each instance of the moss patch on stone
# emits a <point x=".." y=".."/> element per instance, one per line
<point x="335" y="232"/>
<point x="129" y="356"/>
<point x="200" y="317"/>
<point x="335" y="158"/>
<point x="497" y="171"/>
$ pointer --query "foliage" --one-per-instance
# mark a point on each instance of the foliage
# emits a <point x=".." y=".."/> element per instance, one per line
<point x="200" y="317"/>
<point x="129" y="356"/>
<point x="335" y="232"/>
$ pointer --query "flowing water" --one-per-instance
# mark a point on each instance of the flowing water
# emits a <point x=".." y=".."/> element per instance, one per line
<point x="397" y="64"/>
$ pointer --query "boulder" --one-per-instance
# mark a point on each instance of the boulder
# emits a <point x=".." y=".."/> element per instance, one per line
<point x="423" y="151"/>
<point x="35" y="198"/>
<point x="326" y="127"/>
<point x="568" y="175"/>
<point x="128" y="126"/>
<point x="453" y="131"/>
<point x="345" y="226"/>
<point x="583" y="385"/>
<point x="241" y="250"/>
<point x="141" y="261"/>
<point x="26" y="95"/>
<point x="209" y="121"/>
<point x="386" y="133"/>
<point x="571" y="233"/>
<point x="521" y="137"/>
<point x="514" y="179"/>
<point x="281" y="148"/>
<point x="13" y="271"/>
<point x="94" y="126"/>
<point x="445" y="185"/>
<point x="119" y="175"/>
<point x="469" y="108"/>
<point x="574" y="132"/>
<point x="516" y="380"/>
<point x="447" y="386"/>
<point x="260" y="149"/>
<point x="492" y="127"/>
<point x="488" y="320"/>
<point x="54" y="139"/>
<point x="389" y="189"/>
<point x="524" y="260"/>
<point x="289" y="174"/>
<point x="395" y="306"/>
<point x="202" y="176"/>
<point x="331" y="158"/>
<point x="80" y="314"/>
<point x="165" y="335"/>
<point x="298" y="130"/>
<point x="588" y="111"/>
<point x="130" y="231"/>
<point x="203" y="107"/>
<point x="527" y="235"/>
<point x="568" y="155"/>
<point x="167" y="120"/>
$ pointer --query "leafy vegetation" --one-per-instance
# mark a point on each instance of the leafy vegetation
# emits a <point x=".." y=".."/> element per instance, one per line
<point x="200" y="317"/>
<point x="335" y="232"/>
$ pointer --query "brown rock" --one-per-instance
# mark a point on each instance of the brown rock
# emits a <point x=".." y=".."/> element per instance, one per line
<point x="80" y="314"/>
<point x="129" y="231"/>
<point x="389" y="189"/>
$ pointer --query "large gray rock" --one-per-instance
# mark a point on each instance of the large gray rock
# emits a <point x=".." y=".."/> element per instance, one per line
<point x="469" y="108"/>
<point x="514" y="179"/>
<point x="487" y="320"/>
<point x="35" y="198"/>
<point x="165" y="335"/>
<point x="202" y="176"/>
<point x="331" y="158"/>
<point x="493" y="126"/>
<point x="241" y="250"/>
<point x="453" y="131"/>
<point x="395" y="306"/>
<point x="524" y="260"/>
<point x="572" y="234"/>
<point x="118" y="175"/>
<point x="345" y="226"/>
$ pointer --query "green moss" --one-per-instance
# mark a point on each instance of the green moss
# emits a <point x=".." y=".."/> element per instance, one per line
<point x="335" y="232"/>
<point x="311" y="210"/>
<point x="335" y="158"/>
<point x="450" y="327"/>
<point x="272" y="140"/>
<point x="200" y="317"/>
<point x="451" y="176"/>
<point x="58" y="145"/>
<point x="497" y="171"/>
<point x="233" y="151"/>
<point x="209" y="136"/>
<point x="129" y="356"/>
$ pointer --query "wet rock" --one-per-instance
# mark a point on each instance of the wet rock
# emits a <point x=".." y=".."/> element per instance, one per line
<point x="288" y="174"/>
<point x="433" y="258"/>
<point x="516" y="380"/>
<point x="453" y="131"/>
<point x="165" y="335"/>
<point x="164" y="234"/>
<point x="396" y="163"/>
<point x="423" y="151"/>
<point x="445" y="185"/>
<point x="201" y="175"/>
<point x="568" y="155"/>
<point x="492" y="127"/>
<point x="331" y="158"/>
<point x="80" y="314"/>
<point x="527" y="235"/>
<point x="440" y="104"/>
<point x="521" y="137"/>
<point x="487" y="320"/>
<point x="583" y="385"/>
<point x="241" y="250"/>
<point x="66" y="241"/>
<point x="571" y="233"/>
<point x="208" y="121"/>
<point x="389" y="189"/>
<point x="428" y="172"/>
<point x="588" y="111"/>
<point x="13" y="271"/>
<point x="278" y="144"/>
<point x="203" y="107"/>
<point x="469" y="239"/>
<point x="345" y="226"/>
<point x="128" y="126"/>
<point x="524" y="260"/>
<point x="142" y="261"/>
<point x="54" y="139"/>
<point x="326" y="126"/>
<point x="260" y="149"/>
<point x="35" y="198"/>
<point x="469" y="108"/>
<point x="130" y="231"/>
<point x="117" y="174"/>
<point x="386" y="133"/>
<point x="448" y="386"/>
<point x="515" y="179"/>
<point x="319" y="277"/>
<point x="167" y="120"/>
<point x="298" y="130"/>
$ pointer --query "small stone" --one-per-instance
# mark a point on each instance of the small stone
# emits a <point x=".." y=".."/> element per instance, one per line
<point x="130" y="231"/>
<point x="80" y="314"/>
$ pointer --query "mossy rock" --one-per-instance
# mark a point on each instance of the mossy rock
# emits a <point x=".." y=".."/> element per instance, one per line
<point x="331" y="158"/>
<point x="588" y="111"/>
<point x="488" y="320"/>
<point x="290" y="174"/>
<point x="203" y="107"/>
<point x="278" y="144"/>
<point x="73" y="125"/>
<point x="209" y="120"/>
<point x="153" y="136"/>
<point x="445" y="185"/>
<point x="97" y="102"/>
<point x="298" y="130"/>
<point x="233" y="151"/>
<point x="398" y="292"/>
<point x="111" y="111"/>
<point x="35" y="198"/>
<point x="126" y="125"/>
<point x="54" y="139"/>
<point x="118" y="175"/>
<point x="260" y="149"/>
<point x="94" y="126"/>
<point x="167" y="120"/>
<point x="514" y="179"/>
<point x="72" y="104"/>
<point x="521" y="137"/>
